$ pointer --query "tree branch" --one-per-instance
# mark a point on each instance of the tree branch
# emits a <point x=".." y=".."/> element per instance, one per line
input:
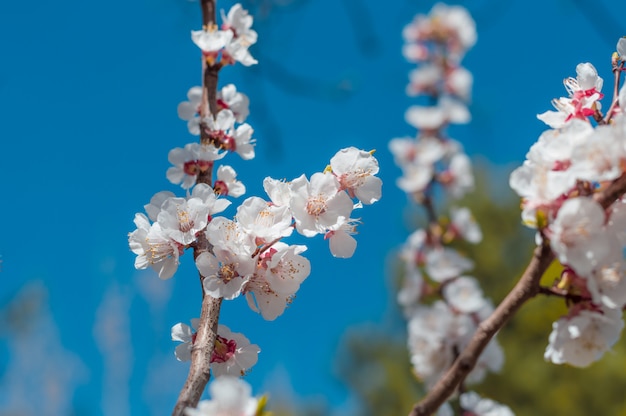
<point x="204" y="343"/>
<point x="201" y="352"/>
<point x="526" y="288"/>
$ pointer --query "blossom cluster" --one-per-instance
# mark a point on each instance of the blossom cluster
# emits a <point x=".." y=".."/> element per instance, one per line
<point x="249" y="257"/>
<point x="437" y="42"/>
<point x="246" y="255"/>
<point x="441" y="302"/>
<point x="228" y="44"/>
<point x="582" y="154"/>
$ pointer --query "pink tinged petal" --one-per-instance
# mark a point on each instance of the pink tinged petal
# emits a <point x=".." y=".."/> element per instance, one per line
<point x="342" y="244"/>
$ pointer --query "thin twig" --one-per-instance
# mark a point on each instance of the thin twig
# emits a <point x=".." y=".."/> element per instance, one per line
<point x="617" y="73"/>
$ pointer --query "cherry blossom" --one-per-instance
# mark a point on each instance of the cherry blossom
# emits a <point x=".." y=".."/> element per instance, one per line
<point x="227" y="183"/>
<point x="154" y="207"/>
<point x="471" y="402"/>
<point x="464" y="294"/>
<point x="230" y="396"/>
<point x="211" y="40"/>
<point x="229" y="98"/>
<point x="583" y="336"/>
<point x="354" y="169"/>
<point x="233" y="354"/>
<point x="222" y="132"/>
<point x="318" y="205"/>
<point x="182" y="219"/>
<point x="445" y="263"/>
<point x="340" y="239"/>
<point x="463" y="223"/>
<point x="208" y="197"/>
<point x="154" y="248"/>
<point x="278" y="191"/>
<point x="265" y="222"/>
<point x="577" y="234"/>
<point x="225" y="272"/>
<point x="273" y="286"/>
<point x="584" y="92"/>
<point x="190" y="161"/>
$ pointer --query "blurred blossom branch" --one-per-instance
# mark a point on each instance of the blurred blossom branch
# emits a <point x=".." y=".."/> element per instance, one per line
<point x="572" y="186"/>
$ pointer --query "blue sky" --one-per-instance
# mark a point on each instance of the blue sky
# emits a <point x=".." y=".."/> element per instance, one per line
<point x="88" y="96"/>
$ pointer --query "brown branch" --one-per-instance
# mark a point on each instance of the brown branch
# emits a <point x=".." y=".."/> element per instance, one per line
<point x="204" y="343"/>
<point x="199" y="371"/>
<point x="526" y="288"/>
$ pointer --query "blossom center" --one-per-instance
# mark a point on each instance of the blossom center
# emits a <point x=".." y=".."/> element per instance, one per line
<point x="228" y="272"/>
<point x="190" y="168"/>
<point x="220" y="188"/>
<point x="316" y="206"/>
<point x="185" y="222"/>
<point x="224" y="350"/>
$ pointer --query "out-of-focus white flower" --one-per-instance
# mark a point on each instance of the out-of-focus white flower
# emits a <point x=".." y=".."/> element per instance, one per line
<point x="578" y="236"/>
<point x="584" y="336"/>
<point x="230" y="396"/>
<point x="471" y="402"/>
